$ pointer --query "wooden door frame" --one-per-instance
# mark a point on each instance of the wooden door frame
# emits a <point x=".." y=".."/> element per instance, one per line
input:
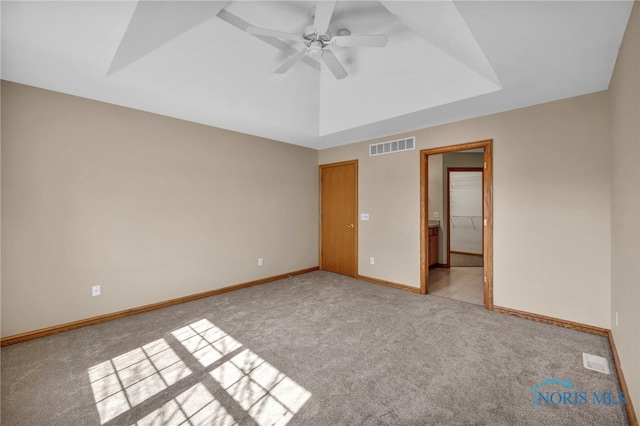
<point x="459" y="169"/>
<point x="320" y="170"/>
<point x="487" y="188"/>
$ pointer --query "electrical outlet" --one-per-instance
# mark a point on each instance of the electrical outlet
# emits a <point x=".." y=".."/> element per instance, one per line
<point x="95" y="290"/>
<point x="372" y="261"/>
<point x="260" y="261"/>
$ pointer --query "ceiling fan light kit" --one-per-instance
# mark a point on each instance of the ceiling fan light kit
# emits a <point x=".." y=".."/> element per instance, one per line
<point x="317" y="39"/>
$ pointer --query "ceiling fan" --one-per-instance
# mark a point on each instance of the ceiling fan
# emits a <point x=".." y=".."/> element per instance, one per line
<point x="317" y="38"/>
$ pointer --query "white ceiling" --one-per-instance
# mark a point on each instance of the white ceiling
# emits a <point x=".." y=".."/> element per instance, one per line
<point x="445" y="60"/>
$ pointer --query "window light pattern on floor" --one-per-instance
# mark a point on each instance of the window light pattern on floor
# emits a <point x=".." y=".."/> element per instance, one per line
<point x="206" y="342"/>
<point x="195" y="406"/>
<point x="131" y="378"/>
<point x="266" y="394"/>
<point x="123" y="383"/>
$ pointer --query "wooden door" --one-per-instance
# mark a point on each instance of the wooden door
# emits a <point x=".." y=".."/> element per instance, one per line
<point x="339" y="210"/>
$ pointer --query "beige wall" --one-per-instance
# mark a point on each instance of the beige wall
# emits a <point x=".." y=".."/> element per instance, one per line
<point x="551" y="206"/>
<point x="625" y="205"/>
<point x="149" y="207"/>
<point x="0" y="186"/>
<point x="387" y="190"/>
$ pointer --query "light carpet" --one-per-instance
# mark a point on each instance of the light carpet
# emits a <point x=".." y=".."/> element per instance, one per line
<point x="315" y="349"/>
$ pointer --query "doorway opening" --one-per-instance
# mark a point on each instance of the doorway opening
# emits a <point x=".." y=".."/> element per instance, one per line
<point x="464" y="214"/>
<point x="436" y="218"/>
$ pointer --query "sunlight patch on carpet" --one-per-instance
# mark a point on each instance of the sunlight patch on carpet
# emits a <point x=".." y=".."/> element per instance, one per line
<point x="131" y="378"/>
<point x="195" y="406"/>
<point x="266" y="394"/>
<point x="206" y="342"/>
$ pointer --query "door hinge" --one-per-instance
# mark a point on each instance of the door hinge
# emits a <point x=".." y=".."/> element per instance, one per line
<point x="485" y="222"/>
<point x="485" y="279"/>
<point x="485" y="165"/>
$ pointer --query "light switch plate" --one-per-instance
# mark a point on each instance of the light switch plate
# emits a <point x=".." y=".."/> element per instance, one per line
<point x="364" y="216"/>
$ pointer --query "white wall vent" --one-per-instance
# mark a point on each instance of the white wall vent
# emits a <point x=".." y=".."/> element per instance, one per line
<point x="596" y="363"/>
<point x="392" y="146"/>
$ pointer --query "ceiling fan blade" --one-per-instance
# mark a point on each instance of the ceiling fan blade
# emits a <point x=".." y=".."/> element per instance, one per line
<point x="379" y="40"/>
<point x="333" y="64"/>
<point x="324" y="10"/>
<point x="290" y="62"/>
<point x="284" y="47"/>
<point x="273" y="33"/>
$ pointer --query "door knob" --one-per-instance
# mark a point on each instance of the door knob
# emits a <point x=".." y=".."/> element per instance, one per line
<point x="351" y="225"/>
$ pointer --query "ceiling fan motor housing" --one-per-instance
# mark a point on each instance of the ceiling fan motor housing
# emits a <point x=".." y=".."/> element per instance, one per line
<point x="311" y="35"/>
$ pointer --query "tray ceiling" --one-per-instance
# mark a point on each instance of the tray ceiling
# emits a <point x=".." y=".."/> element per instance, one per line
<point x="445" y="61"/>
